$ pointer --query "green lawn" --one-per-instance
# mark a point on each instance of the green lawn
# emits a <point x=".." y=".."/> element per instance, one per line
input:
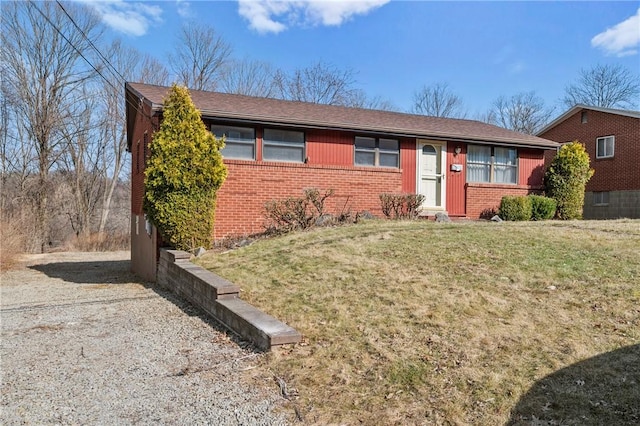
<point x="465" y="323"/>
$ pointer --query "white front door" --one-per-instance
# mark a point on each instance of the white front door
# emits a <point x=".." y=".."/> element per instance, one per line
<point x="431" y="177"/>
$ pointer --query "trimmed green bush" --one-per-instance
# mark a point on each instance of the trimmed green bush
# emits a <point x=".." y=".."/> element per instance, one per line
<point x="566" y="179"/>
<point x="515" y="208"/>
<point x="542" y="208"/>
<point x="183" y="174"/>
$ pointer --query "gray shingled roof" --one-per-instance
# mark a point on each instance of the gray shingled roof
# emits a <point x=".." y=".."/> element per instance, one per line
<point x="303" y="114"/>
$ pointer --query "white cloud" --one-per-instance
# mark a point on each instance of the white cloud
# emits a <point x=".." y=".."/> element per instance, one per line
<point x="274" y="16"/>
<point x="622" y="39"/>
<point x="183" y="8"/>
<point x="131" y="18"/>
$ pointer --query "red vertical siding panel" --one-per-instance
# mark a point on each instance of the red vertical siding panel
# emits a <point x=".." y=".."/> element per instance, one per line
<point x="530" y="167"/>
<point x="258" y="144"/>
<point x="408" y="157"/>
<point x="329" y="148"/>
<point x="455" y="181"/>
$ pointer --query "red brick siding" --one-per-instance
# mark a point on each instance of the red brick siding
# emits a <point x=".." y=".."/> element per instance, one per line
<point x="483" y="196"/>
<point x="620" y="173"/>
<point x="249" y="185"/>
<point x="142" y="125"/>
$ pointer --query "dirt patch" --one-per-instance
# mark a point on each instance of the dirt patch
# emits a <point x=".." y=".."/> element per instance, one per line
<point x="83" y="341"/>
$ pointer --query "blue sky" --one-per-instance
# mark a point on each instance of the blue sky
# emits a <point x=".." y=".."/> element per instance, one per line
<point x="481" y="49"/>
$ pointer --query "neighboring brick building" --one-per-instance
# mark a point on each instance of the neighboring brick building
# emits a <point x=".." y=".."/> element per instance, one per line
<point x="275" y="149"/>
<point x="612" y="140"/>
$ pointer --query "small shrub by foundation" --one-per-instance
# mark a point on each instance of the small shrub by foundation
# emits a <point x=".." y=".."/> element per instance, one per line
<point x="515" y="208"/>
<point x="542" y="208"/>
<point x="401" y="206"/>
<point x="308" y="211"/>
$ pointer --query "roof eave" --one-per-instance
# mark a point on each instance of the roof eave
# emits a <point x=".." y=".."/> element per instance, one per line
<point x="397" y="132"/>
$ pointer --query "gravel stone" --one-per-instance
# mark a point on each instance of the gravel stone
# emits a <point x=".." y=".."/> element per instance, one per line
<point x="85" y="342"/>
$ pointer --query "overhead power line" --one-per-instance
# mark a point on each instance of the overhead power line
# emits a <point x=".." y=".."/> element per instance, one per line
<point x="113" y="68"/>
<point x="134" y="105"/>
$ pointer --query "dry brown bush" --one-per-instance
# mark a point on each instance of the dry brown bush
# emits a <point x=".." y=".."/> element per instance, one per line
<point x="99" y="242"/>
<point x="11" y="243"/>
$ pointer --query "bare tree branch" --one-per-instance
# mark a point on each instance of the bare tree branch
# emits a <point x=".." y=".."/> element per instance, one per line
<point x="198" y="56"/>
<point x="437" y="100"/>
<point x="246" y="77"/>
<point x="43" y="67"/>
<point x="320" y="83"/>
<point x="359" y="99"/>
<point x="524" y="112"/>
<point x="607" y="86"/>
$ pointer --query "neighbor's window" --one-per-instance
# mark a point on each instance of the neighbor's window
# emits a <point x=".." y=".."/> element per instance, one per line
<point x="492" y="164"/>
<point x="601" y="198"/>
<point x="240" y="142"/>
<point x="377" y="152"/>
<point x="283" y="145"/>
<point x="605" y="147"/>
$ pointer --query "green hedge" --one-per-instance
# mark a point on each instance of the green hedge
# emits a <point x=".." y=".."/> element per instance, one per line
<point x="542" y="208"/>
<point x="515" y="208"/>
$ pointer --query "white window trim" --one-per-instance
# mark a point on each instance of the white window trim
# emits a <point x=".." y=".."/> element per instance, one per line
<point x="604" y="139"/>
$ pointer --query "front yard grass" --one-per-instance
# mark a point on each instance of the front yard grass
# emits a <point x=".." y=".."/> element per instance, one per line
<point x="427" y="323"/>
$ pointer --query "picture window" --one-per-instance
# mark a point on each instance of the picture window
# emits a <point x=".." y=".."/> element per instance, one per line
<point x="492" y="164"/>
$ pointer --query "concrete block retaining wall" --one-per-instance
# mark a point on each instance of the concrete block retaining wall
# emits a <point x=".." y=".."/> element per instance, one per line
<point x="219" y="298"/>
<point x="622" y="204"/>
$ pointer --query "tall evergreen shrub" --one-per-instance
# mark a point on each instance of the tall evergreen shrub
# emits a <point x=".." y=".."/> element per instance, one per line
<point x="183" y="173"/>
<point x="566" y="179"/>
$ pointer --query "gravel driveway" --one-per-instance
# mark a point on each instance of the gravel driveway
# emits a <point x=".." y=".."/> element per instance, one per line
<point x="84" y="343"/>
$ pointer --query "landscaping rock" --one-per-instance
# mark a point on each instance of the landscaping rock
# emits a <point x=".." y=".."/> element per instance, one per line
<point x="200" y="251"/>
<point x="496" y="218"/>
<point x="325" y="220"/>
<point x="442" y="217"/>
<point x="365" y="215"/>
<point x="244" y="242"/>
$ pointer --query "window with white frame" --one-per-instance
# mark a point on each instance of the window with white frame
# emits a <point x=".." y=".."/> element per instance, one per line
<point x="376" y="152"/>
<point x="239" y="143"/>
<point x="605" y="147"/>
<point x="601" y="198"/>
<point x="492" y="164"/>
<point x="283" y="145"/>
